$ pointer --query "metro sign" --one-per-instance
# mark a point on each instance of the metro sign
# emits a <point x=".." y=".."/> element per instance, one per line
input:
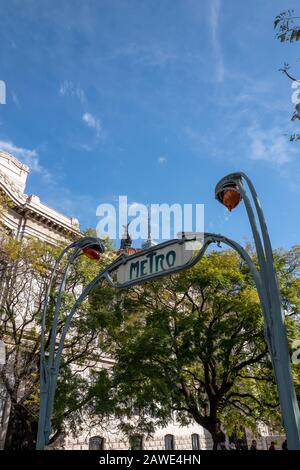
<point x="157" y="261"/>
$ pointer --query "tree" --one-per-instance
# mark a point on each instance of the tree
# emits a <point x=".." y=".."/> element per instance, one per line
<point x="24" y="269"/>
<point x="193" y="344"/>
<point x="289" y="31"/>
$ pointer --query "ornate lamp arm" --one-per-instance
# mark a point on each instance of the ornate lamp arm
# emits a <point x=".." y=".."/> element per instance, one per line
<point x="47" y="367"/>
<point x="226" y="192"/>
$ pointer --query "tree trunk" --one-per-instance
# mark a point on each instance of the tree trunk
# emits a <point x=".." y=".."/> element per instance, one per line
<point x="212" y="425"/>
<point x="218" y="438"/>
<point x="21" y="429"/>
<point x="215" y="440"/>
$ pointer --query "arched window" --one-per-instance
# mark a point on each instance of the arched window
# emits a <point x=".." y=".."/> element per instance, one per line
<point x="136" y="442"/>
<point x="96" y="443"/>
<point x="195" y="442"/>
<point x="169" y="442"/>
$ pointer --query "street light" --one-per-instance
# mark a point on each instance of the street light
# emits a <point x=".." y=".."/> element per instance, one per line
<point x="229" y="192"/>
<point x="91" y="247"/>
<point x="229" y="196"/>
<point x="92" y="252"/>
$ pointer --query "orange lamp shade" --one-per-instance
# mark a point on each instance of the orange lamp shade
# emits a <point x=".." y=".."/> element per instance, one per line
<point x="92" y="253"/>
<point x="231" y="198"/>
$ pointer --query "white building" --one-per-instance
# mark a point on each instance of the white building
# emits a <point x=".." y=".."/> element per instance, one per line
<point x="29" y="217"/>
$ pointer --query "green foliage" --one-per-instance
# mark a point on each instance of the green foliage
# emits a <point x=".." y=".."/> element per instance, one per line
<point x="5" y="204"/>
<point x="288" y="31"/>
<point x="194" y="344"/>
<point x="286" y="28"/>
<point x="294" y="137"/>
<point x="25" y="270"/>
<point x="191" y="344"/>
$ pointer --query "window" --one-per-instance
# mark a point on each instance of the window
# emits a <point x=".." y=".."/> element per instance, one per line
<point x="136" y="442"/>
<point x="195" y="442"/>
<point x="96" y="443"/>
<point x="169" y="442"/>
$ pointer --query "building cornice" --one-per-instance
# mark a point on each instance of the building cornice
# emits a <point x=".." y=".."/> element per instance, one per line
<point x="13" y="159"/>
<point x="31" y="206"/>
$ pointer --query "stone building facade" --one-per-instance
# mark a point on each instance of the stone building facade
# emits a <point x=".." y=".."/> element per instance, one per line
<point x="28" y="216"/>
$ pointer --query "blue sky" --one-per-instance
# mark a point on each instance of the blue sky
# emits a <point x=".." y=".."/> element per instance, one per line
<point x="152" y="99"/>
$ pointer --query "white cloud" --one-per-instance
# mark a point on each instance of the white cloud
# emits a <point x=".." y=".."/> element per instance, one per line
<point x="26" y="156"/>
<point x="214" y="26"/>
<point x="86" y="147"/>
<point x="68" y="88"/>
<point x="92" y="122"/>
<point x="270" y="146"/>
<point x="15" y="99"/>
<point x="55" y="195"/>
<point x="162" y="160"/>
<point x="151" y="55"/>
<point x="29" y="157"/>
<point x="156" y="55"/>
